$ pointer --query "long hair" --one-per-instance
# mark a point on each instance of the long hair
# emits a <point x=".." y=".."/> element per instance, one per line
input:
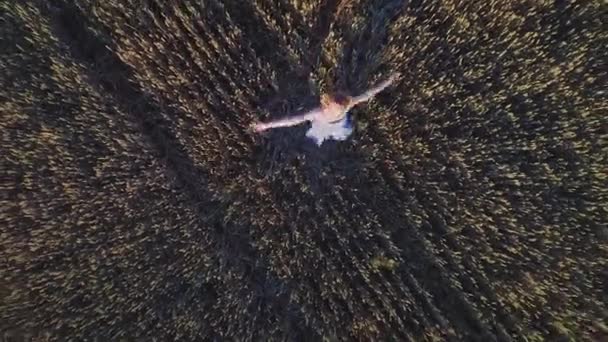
<point x="336" y="97"/>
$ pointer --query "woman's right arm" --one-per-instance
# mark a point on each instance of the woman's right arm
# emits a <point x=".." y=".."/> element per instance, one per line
<point x="287" y="122"/>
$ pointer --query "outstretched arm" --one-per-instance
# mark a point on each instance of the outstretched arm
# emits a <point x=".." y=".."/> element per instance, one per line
<point x="286" y="122"/>
<point x="373" y="91"/>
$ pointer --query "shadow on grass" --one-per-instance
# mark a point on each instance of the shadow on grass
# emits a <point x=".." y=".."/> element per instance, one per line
<point x="113" y="76"/>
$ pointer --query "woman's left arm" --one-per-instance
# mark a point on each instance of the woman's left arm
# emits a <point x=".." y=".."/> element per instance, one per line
<point x="366" y="96"/>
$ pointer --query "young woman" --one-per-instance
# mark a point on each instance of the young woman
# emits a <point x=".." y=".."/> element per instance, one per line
<point x="331" y="120"/>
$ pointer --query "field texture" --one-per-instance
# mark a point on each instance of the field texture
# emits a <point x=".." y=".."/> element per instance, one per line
<point x="470" y="204"/>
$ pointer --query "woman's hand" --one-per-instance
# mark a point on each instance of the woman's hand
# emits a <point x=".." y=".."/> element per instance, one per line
<point x="396" y="76"/>
<point x="258" y="127"/>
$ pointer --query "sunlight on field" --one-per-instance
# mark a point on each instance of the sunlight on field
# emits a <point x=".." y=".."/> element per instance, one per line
<point x="469" y="204"/>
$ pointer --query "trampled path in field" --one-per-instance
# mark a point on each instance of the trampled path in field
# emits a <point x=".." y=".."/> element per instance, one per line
<point x="470" y="204"/>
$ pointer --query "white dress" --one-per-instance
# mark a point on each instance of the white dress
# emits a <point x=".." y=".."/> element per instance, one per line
<point x="322" y="130"/>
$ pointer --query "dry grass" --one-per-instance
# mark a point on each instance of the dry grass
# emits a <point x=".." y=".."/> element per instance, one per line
<point x="469" y="205"/>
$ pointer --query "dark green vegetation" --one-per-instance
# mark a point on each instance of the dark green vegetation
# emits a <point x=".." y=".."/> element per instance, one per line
<point x="470" y="204"/>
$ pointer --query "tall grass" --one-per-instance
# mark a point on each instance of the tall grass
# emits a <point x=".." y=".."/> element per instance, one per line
<point x="470" y="203"/>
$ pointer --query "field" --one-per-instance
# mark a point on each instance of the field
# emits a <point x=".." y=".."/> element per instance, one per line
<point x="470" y="204"/>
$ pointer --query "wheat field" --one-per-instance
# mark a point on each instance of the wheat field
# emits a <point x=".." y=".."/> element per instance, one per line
<point x="470" y="204"/>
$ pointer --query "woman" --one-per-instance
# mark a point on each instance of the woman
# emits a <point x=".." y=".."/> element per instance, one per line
<point x="331" y="120"/>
